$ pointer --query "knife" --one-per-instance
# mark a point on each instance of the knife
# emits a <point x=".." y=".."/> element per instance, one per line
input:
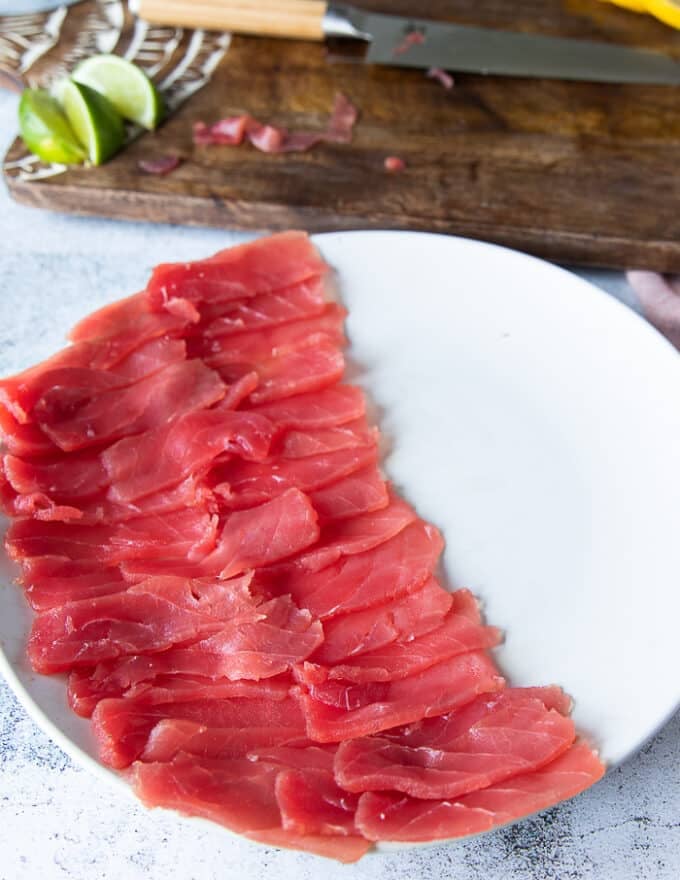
<point x="416" y="42"/>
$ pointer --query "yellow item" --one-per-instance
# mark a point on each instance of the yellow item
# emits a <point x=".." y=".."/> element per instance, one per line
<point x="635" y="5"/>
<point x="667" y="11"/>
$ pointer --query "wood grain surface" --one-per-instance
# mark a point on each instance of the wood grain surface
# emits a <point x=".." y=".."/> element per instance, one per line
<point x="575" y="172"/>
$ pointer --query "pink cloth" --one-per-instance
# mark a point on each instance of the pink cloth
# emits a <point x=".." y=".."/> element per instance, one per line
<point x="659" y="297"/>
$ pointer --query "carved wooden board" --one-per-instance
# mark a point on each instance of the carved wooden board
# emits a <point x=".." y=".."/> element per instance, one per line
<point x="574" y="172"/>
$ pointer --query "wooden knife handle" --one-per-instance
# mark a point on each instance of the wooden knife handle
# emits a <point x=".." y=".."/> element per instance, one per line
<point x="297" y="19"/>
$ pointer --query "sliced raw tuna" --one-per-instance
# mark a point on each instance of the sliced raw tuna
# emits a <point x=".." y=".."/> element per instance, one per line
<point x="63" y="479"/>
<point x="251" y="538"/>
<point x="222" y="600"/>
<point x="343" y="849"/>
<point x="26" y="387"/>
<point x="393" y="569"/>
<point x="322" y="409"/>
<point x="258" y="267"/>
<point x="73" y="375"/>
<point x="238" y="391"/>
<point x="150" y="357"/>
<point x="85" y="690"/>
<point x="122" y="726"/>
<point x="91" y="630"/>
<point x="266" y="310"/>
<point x="253" y="647"/>
<point x="262" y="344"/>
<point x="296" y="372"/>
<point x="357" y="535"/>
<point x="179" y="388"/>
<point x="165" y="455"/>
<point x="26" y="441"/>
<point x="405" y="618"/>
<point x="236" y="793"/>
<point x="190" y="493"/>
<point x="390" y="816"/>
<point x="456" y="635"/>
<point x="36" y="505"/>
<point x="364" y="491"/>
<point x="52" y="581"/>
<point x="242" y="484"/>
<point x="120" y="327"/>
<point x="516" y="734"/>
<point x="302" y="444"/>
<point x="335" y="711"/>
<point x="189" y="532"/>
<point x="171" y="736"/>
<point x="311" y="802"/>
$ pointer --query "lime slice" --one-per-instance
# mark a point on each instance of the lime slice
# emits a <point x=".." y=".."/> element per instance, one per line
<point x="45" y="129"/>
<point x="127" y="87"/>
<point x="96" y="122"/>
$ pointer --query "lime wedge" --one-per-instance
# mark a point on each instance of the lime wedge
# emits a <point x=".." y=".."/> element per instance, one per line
<point x="96" y="122"/>
<point x="127" y="87"/>
<point x="45" y="129"/>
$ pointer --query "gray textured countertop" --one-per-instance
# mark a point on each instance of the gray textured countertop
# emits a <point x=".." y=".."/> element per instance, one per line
<point x="56" y="821"/>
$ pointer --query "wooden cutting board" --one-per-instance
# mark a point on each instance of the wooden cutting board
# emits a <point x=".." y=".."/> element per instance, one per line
<point x="574" y="172"/>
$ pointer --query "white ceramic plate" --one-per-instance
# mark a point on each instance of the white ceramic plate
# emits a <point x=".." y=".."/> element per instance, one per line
<point x="536" y="421"/>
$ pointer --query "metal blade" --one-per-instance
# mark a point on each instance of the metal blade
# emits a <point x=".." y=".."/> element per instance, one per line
<point x="483" y="50"/>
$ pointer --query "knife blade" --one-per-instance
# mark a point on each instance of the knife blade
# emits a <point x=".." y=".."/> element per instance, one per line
<point x="417" y="42"/>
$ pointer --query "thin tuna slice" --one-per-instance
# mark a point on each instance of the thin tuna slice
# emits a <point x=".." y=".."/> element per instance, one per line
<point x="253" y="538"/>
<point x="343" y="849"/>
<point x="364" y="491"/>
<point x="236" y="793"/>
<point x="133" y="622"/>
<point x="120" y="327"/>
<point x="25" y="441"/>
<point x="266" y="310"/>
<point x="388" y="816"/>
<point x="178" y="535"/>
<point x="190" y="493"/>
<point x="78" y="371"/>
<point x="302" y="444"/>
<point x="263" y="535"/>
<point x="405" y="618"/>
<point x="171" y="736"/>
<point x="52" y="581"/>
<point x="122" y="726"/>
<point x="179" y="388"/>
<point x="322" y="409"/>
<point x="242" y="484"/>
<point x="260" y="345"/>
<point x="85" y="690"/>
<point x="357" y="535"/>
<point x="388" y="571"/>
<point x="312" y="802"/>
<point x="336" y="711"/>
<point x="457" y="634"/>
<point x="165" y="455"/>
<point x="63" y="479"/>
<point x="258" y="267"/>
<point x="297" y="372"/>
<point x="253" y="647"/>
<point x="96" y="511"/>
<point x="516" y="735"/>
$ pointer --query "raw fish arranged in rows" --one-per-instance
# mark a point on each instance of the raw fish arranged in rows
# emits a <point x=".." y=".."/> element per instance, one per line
<point x="246" y="610"/>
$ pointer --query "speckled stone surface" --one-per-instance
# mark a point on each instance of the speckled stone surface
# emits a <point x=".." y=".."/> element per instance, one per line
<point x="57" y="821"/>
